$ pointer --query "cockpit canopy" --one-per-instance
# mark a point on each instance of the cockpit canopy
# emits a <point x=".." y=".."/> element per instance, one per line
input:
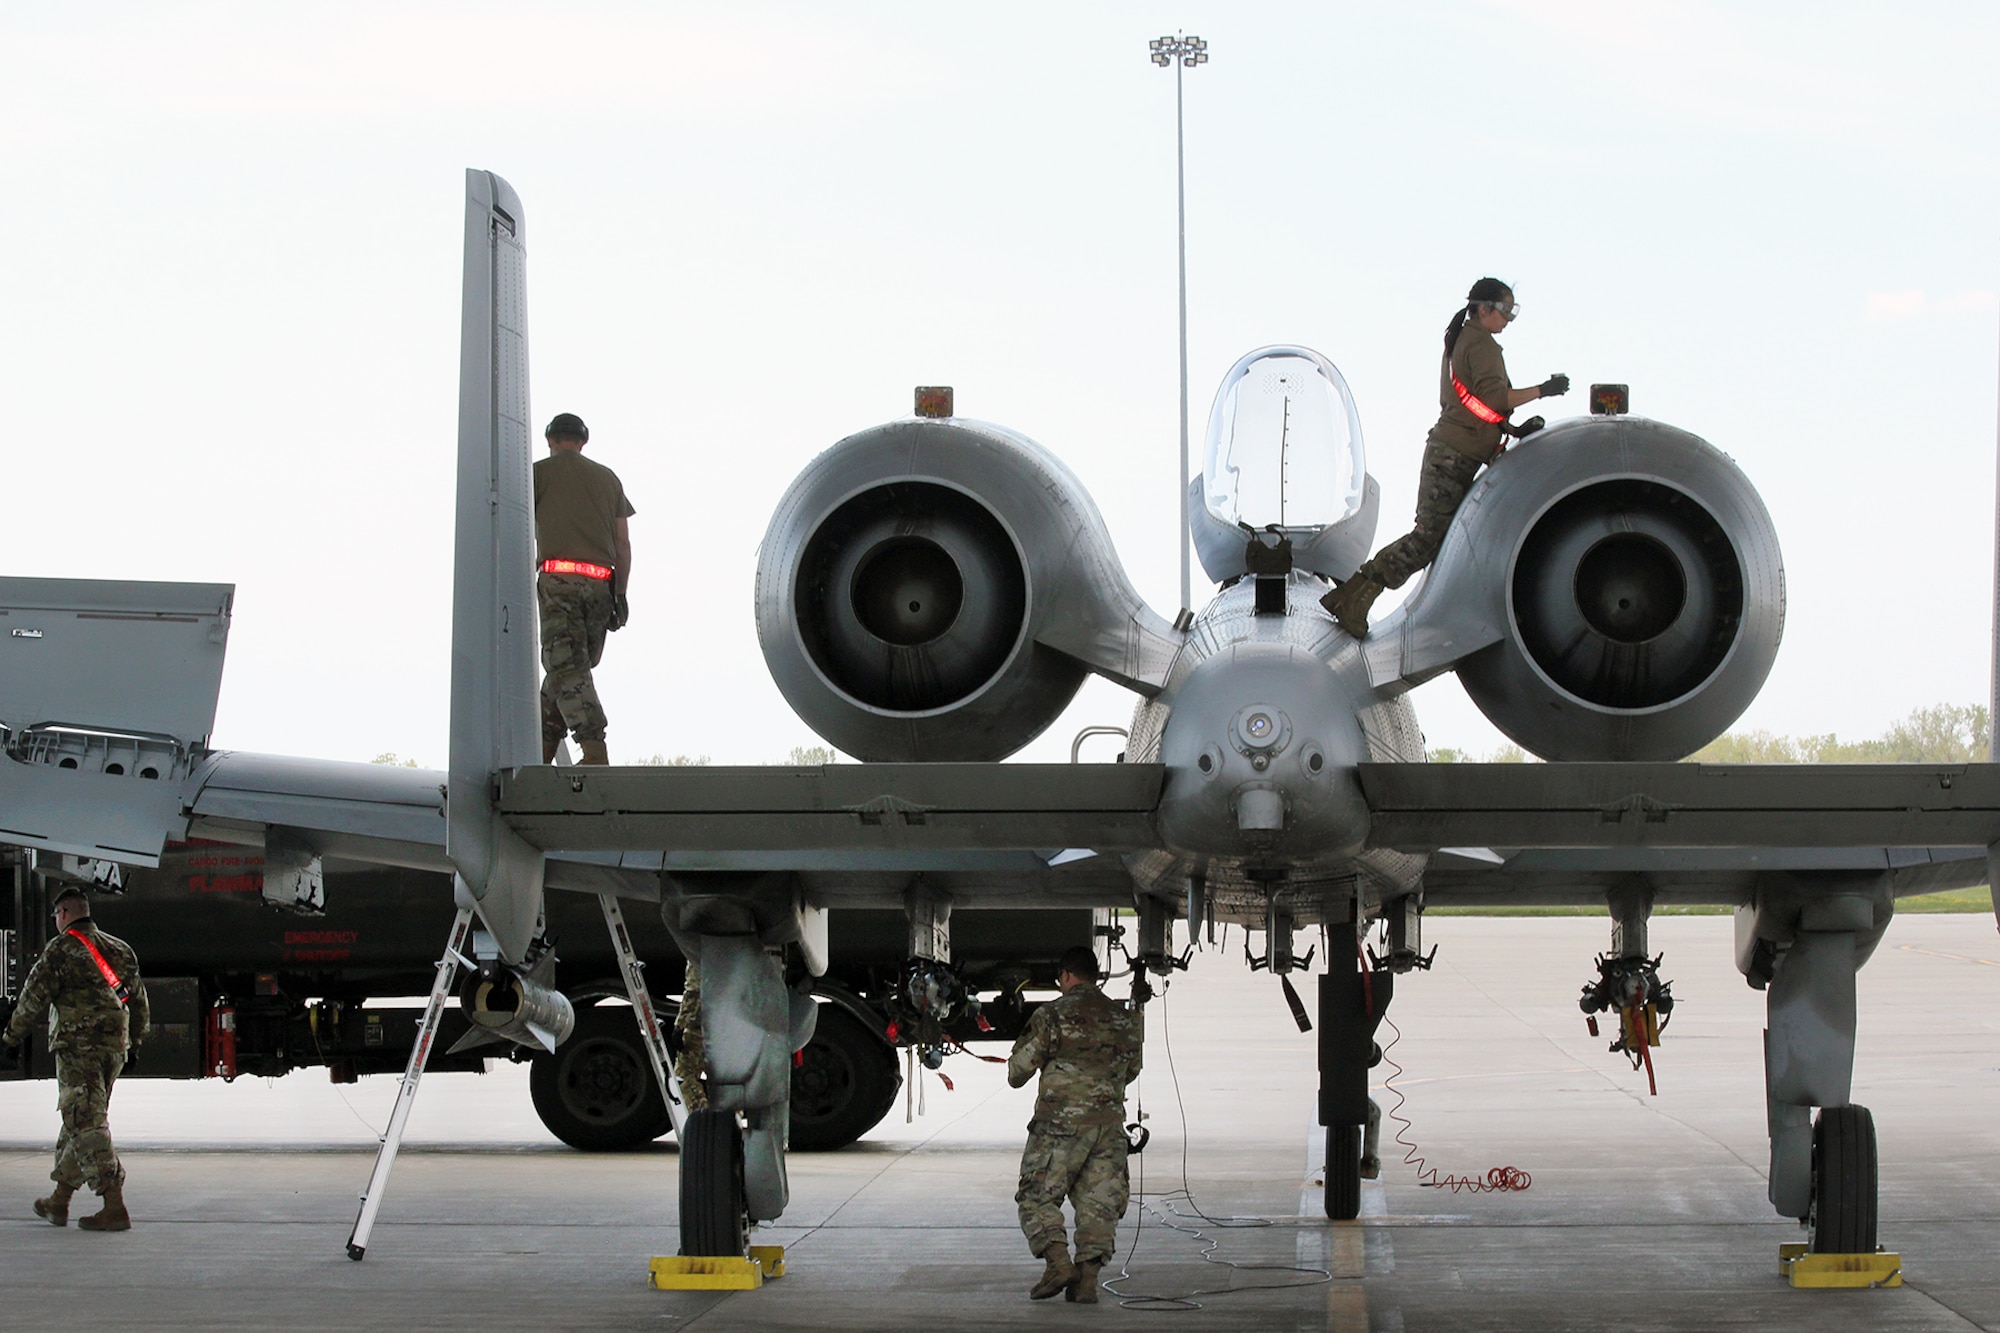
<point x="1284" y="449"/>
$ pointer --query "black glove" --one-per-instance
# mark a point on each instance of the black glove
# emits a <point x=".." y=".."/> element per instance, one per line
<point x="621" y="611"/>
<point x="1555" y="386"/>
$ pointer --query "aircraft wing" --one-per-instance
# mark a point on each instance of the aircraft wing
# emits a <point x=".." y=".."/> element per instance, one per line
<point x="1564" y="833"/>
<point x="1422" y="807"/>
<point x="878" y="815"/>
<point x="1513" y="833"/>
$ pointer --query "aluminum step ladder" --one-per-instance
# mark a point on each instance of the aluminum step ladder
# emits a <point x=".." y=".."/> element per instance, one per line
<point x="654" y="1036"/>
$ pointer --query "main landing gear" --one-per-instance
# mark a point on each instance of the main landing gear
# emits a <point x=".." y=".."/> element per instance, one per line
<point x="733" y="1153"/>
<point x="1802" y="941"/>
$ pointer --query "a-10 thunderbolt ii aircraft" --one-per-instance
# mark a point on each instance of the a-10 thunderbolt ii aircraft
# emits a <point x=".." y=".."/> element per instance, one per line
<point x="930" y="595"/>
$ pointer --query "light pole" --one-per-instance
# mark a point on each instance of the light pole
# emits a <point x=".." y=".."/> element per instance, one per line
<point x="1182" y="52"/>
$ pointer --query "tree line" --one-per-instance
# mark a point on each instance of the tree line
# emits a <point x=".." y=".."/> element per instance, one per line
<point x="1939" y="734"/>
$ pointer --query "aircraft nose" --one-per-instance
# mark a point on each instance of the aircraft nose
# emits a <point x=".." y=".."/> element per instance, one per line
<point x="1260" y="748"/>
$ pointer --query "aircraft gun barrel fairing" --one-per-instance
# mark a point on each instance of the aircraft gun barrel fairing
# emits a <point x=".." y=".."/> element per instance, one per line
<point x="930" y="595"/>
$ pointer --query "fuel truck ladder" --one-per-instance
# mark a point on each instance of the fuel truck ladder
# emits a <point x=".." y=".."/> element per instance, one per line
<point x="629" y="967"/>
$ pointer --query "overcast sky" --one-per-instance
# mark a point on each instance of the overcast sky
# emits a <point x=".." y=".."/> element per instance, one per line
<point x="229" y="265"/>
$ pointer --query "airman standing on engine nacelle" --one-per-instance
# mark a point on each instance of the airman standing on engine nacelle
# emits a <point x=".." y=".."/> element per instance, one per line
<point x="1088" y="1048"/>
<point x="585" y="555"/>
<point x="1475" y="399"/>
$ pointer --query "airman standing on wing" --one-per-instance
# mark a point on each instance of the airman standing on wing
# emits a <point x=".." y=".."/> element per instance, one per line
<point x="1087" y="1047"/>
<point x="91" y="980"/>
<point x="1475" y="399"/>
<point x="585" y="555"/>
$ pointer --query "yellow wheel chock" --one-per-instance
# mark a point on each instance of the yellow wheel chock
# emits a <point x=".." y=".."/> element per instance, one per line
<point x="680" y="1272"/>
<point x="1802" y="1268"/>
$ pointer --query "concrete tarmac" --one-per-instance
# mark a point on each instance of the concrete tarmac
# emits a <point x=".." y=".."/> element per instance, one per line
<point x="1644" y="1213"/>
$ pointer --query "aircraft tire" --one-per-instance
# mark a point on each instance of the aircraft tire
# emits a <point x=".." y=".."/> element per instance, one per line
<point x="847" y="1080"/>
<point x="1343" y="1172"/>
<point x="1844" y="1180"/>
<point x="597" y="1091"/>
<point x="713" y="1217"/>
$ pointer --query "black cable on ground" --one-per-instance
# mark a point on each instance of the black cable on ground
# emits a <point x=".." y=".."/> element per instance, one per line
<point x="1185" y="1301"/>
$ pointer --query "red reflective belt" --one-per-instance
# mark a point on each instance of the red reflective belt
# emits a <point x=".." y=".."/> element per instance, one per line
<point x="1474" y="406"/>
<point x="583" y="567"/>
<point x="118" y="988"/>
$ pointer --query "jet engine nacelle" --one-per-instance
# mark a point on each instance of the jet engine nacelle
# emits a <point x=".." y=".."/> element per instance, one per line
<point x="1627" y="579"/>
<point x="937" y="589"/>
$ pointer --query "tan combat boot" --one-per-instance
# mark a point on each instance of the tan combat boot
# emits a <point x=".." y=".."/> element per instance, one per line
<point x="112" y="1216"/>
<point x="593" y="753"/>
<point x="1350" y="602"/>
<point x="1057" y="1276"/>
<point x="56" y="1206"/>
<point x="1084" y="1290"/>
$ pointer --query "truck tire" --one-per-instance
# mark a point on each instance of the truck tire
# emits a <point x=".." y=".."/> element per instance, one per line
<point x="845" y="1082"/>
<point x="597" y="1091"/>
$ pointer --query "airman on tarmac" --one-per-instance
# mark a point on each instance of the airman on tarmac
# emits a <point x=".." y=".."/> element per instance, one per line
<point x="91" y="981"/>
<point x="1087" y="1048"/>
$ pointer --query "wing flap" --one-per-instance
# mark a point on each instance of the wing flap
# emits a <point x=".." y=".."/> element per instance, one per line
<point x="925" y="807"/>
<point x="1423" y="807"/>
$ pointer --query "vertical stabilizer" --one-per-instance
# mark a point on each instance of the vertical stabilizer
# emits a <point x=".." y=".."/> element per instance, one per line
<point x="494" y="712"/>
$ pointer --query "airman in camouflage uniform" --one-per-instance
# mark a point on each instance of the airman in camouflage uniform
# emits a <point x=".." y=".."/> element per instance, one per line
<point x="692" y="1058"/>
<point x="583" y="547"/>
<point x="94" y="1030"/>
<point x="1087" y="1048"/>
<point x="1468" y="435"/>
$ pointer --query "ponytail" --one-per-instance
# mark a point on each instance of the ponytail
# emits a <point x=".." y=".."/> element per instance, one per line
<point x="1457" y="326"/>
<point x="1486" y="289"/>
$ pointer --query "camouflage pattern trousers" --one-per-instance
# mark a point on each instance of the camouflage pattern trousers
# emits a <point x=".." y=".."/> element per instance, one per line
<point x="1087" y="1166"/>
<point x="576" y="615"/>
<point x="1447" y="476"/>
<point x="83" y="1098"/>
<point x="690" y="1061"/>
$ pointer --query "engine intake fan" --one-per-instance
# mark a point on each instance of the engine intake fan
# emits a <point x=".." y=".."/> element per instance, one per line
<point x="911" y="596"/>
<point x="1628" y="594"/>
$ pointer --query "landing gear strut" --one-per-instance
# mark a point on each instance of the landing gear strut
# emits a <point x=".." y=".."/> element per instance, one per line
<point x="1351" y="1004"/>
<point x="1803" y="943"/>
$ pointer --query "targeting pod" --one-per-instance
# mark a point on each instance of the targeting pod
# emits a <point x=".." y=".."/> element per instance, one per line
<point x="504" y="1005"/>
